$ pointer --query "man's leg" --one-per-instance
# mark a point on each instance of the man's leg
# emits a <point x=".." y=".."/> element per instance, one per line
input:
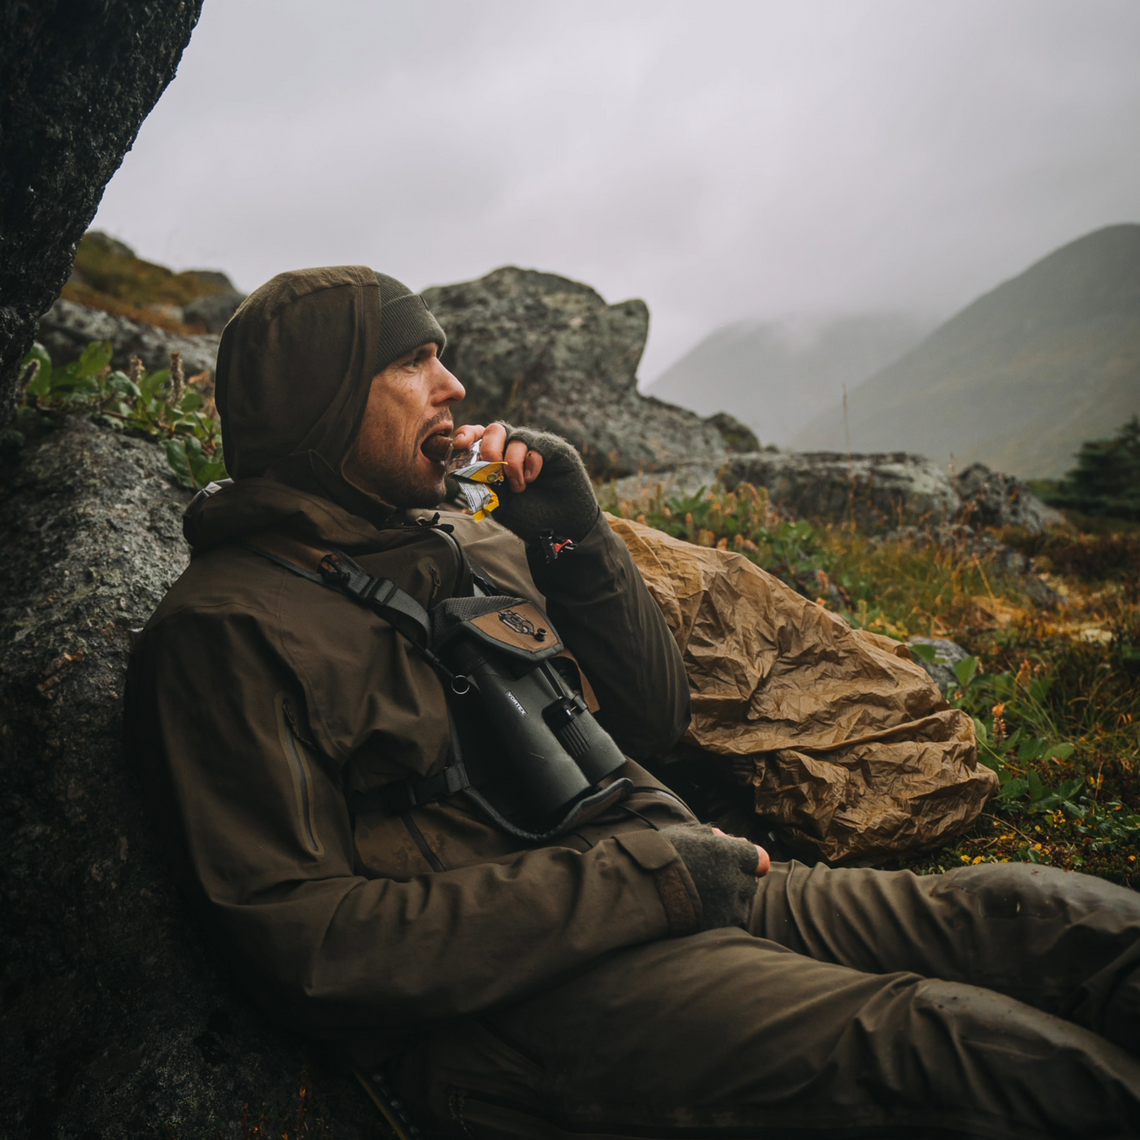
<point x="727" y="1032"/>
<point x="1065" y="943"/>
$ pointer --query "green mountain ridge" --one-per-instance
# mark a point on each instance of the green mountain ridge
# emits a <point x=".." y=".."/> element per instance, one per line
<point x="1020" y="377"/>
<point x="777" y="375"/>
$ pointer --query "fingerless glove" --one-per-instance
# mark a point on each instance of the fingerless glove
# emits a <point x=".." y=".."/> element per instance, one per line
<point x="722" y="869"/>
<point x="561" y="499"/>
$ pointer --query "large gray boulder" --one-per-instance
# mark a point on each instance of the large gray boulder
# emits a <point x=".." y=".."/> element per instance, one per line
<point x="540" y="349"/>
<point x="888" y="491"/>
<point x="214" y="310"/>
<point x="895" y="492"/>
<point x="67" y="328"/>
<point x="878" y="491"/>
<point x="116" y="1021"/>
<point x="78" y="78"/>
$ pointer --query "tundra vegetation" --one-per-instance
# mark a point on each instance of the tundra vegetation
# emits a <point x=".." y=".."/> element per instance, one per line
<point x="1053" y="683"/>
<point x="1052" y="678"/>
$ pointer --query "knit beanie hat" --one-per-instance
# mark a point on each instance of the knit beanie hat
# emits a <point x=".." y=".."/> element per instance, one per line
<point x="296" y="362"/>
<point x="407" y="322"/>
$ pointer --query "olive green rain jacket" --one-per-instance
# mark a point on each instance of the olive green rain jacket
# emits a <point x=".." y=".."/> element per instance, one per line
<point x="259" y="701"/>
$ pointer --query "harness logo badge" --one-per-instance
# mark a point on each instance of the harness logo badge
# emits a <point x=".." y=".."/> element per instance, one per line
<point x="512" y="619"/>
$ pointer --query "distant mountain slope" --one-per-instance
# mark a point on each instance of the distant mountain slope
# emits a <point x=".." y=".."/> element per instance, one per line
<point x="777" y="375"/>
<point x="1020" y="377"/>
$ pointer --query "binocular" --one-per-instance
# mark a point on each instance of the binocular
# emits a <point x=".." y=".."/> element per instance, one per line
<point x="552" y="747"/>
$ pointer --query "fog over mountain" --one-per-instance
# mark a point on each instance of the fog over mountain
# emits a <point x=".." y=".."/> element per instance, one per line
<point x="726" y="161"/>
<point x="1019" y="378"/>
<point x="776" y="376"/>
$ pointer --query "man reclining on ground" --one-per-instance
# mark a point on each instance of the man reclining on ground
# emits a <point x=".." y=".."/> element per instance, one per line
<point x="551" y="947"/>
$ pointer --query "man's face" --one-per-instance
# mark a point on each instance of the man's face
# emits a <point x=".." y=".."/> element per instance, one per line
<point x="407" y="406"/>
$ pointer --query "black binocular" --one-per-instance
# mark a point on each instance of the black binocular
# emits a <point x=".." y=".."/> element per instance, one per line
<point x="555" y="750"/>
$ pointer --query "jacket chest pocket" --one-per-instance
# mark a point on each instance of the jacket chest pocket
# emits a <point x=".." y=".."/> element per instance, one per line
<point x="299" y="759"/>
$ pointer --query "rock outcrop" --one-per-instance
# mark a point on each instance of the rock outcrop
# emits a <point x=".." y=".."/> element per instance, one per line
<point x="880" y="492"/>
<point x="738" y="436"/>
<point x="79" y="77"/>
<point x="67" y="328"/>
<point x="116" y="1021"/>
<point x="110" y="276"/>
<point x="536" y="348"/>
<point x="213" y="311"/>
<point x="990" y="498"/>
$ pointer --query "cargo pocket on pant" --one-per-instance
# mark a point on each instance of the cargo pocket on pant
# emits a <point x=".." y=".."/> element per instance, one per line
<point x="473" y="1069"/>
<point x="300" y="767"/>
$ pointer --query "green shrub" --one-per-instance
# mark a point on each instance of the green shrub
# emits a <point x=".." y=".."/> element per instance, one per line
<point x="158" y="404"/>
<point x="1106" y="479"/>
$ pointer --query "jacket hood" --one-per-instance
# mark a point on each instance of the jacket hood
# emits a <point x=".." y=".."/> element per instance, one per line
<point x="295" y="366"/>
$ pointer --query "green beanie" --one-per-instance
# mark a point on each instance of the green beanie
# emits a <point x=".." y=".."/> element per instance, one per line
<point x="405" y="322"/>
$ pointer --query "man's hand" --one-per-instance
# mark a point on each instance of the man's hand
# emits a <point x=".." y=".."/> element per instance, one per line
<point x="562" y="500"/>
<point x="524" y="464"/>
<point x="722" y="869"/>
<point x="466" y="437"/>
<point x="763" y="861"/>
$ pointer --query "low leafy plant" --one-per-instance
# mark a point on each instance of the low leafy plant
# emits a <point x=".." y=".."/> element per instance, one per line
<point x="741" y="520"/>
<point x="1050" y="808"/>
<point x="159" y="404"/>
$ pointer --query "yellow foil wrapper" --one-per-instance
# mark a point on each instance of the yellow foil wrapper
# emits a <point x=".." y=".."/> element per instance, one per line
<point x="474" y="481"/>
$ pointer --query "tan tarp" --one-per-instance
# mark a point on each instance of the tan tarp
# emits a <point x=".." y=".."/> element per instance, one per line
<point x="854" y="751"/>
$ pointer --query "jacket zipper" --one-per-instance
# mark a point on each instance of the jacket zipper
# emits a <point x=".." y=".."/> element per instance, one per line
<point x="291" y="741"/>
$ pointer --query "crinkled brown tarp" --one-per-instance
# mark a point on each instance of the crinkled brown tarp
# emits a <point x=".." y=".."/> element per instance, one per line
<point x="855" y="753"/>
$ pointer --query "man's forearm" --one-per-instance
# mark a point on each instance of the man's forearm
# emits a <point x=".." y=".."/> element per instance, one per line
<point x="604" y="613"/>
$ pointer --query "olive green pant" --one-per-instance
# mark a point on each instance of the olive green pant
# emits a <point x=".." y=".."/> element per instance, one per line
<point x="995" y="1001"/>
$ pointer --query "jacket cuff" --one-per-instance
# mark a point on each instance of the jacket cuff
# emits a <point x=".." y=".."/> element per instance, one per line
<point x="601" y="549"/>
<point x="652" y="852"/>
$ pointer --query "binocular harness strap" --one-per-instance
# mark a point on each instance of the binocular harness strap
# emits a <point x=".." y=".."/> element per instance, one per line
<point x="336" y="570"/>
<point x="413" y="792"/>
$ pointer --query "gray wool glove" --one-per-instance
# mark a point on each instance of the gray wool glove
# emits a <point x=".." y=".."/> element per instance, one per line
<point x="561" y="498"/>
<point x="723" y="871"/>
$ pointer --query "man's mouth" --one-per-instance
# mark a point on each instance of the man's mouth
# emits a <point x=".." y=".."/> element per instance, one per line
<point x="437" y="446"/>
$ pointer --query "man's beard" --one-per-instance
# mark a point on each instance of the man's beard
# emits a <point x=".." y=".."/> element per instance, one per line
<point x="422" y="496"/>
<point x="402" y="485"/>
<point x="400" y="480"/>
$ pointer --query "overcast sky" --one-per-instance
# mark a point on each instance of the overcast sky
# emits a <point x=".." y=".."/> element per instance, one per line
<point x="722" y="160"/>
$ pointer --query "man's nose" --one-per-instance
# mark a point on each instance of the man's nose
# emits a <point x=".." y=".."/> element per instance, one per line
<point x="449" y="389"/>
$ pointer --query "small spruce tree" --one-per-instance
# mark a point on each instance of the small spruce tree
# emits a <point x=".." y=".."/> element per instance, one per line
<point x="1106" y="479"/>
